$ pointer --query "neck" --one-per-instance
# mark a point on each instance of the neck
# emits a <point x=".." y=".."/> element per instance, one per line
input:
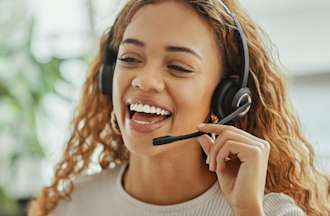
<point x="167" y="179"/>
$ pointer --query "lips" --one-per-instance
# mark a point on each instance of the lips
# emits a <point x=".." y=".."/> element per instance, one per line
<point x="143" y="123"/>
<point x="144" y="127"/>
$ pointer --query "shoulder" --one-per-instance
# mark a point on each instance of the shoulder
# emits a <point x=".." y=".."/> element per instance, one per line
<point x="280" y="204"/>
<point x="93" y="183"/>
<point x="89" y="192"/>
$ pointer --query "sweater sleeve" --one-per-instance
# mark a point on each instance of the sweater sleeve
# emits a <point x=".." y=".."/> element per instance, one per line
<point x="280" y="204"/>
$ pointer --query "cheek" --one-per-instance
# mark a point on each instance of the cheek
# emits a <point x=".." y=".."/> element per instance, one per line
<point x="193" y="103"/>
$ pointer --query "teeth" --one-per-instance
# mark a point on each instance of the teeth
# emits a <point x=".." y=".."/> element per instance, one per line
<point x="158" y="110"/>
<point x="148" y="109"/>
<point x="139" y="108"/>
<point x="145" y="108"/>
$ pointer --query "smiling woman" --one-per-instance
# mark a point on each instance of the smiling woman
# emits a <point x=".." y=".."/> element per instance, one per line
<point x="167" y="60"/>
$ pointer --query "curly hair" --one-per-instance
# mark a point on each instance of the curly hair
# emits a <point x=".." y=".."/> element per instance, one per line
<point x="291" y="168"/>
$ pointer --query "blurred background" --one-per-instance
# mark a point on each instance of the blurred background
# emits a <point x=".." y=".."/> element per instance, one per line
<point x="45" y="49"/>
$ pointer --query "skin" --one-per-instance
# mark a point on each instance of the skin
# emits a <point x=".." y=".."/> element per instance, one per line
<point x="173" y="173"/>
<point x="242" y="177"/>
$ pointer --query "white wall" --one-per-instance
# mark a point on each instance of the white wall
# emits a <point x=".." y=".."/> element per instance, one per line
<point x="300" y="29"/>
<point x="311" y="100"/>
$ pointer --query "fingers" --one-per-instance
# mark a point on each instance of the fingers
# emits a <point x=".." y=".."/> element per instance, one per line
<point x="228" y="134"/>
<point x="218" y="129"/>
<point x="206" y="143"/>
<point x="210" y="128"/>
<point x="244" y="153"/>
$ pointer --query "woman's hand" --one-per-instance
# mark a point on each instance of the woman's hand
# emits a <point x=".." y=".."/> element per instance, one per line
<point x="240" y="162"/>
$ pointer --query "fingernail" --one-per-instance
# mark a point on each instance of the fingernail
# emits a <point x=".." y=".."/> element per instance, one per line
<point x="207" y="160"/>
<point x="210" y="166"/>
<point x="213" y="168"/>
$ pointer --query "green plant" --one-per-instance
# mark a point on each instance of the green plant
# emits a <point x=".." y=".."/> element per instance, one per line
<point x="24" y="82"/>
<point x="8" y="204"/>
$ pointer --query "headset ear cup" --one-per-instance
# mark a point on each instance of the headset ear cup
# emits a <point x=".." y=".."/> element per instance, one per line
<point x="109" y="64"/>
<point x="223" y="96"/>
<point x="242" y="96"/>
<point x="105" y="79"/>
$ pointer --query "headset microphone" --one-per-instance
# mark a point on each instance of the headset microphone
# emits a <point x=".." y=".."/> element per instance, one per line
<point x="169" y="139"/>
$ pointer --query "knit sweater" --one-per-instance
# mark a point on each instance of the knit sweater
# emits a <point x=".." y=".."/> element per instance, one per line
<point x="103" y="194"/>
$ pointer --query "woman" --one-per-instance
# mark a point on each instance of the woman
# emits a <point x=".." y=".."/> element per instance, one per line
<point x="171" y="56"/>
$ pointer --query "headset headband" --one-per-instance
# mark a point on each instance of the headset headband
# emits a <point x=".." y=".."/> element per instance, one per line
<point x="243" y="46"/>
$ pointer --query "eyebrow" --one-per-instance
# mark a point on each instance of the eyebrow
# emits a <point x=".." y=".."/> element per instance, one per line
<point x="167" y="48"/>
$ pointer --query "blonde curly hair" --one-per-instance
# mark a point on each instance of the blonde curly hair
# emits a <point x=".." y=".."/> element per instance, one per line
<point x="291" y="167"/>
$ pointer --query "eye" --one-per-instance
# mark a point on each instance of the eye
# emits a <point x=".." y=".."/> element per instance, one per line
<point x="179" y="68"/>
<point x="129" y="60"/>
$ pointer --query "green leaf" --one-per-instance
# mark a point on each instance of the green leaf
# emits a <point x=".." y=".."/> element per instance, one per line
<point x="7" y="204"/>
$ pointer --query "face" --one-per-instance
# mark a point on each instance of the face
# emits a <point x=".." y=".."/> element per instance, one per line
<point x="168" y="58"/>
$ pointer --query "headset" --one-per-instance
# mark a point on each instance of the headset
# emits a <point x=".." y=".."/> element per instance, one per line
<point x="231" y="98"/>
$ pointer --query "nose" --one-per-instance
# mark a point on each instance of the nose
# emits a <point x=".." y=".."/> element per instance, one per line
<point x="148" y="80"/>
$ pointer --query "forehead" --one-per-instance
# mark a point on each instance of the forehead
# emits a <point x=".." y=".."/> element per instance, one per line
<point x="171" y="22"/>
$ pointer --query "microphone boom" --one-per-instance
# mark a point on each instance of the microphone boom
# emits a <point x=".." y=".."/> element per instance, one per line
<point x="169" y="139"/>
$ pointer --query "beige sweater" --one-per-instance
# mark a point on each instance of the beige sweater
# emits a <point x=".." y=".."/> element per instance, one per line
<point x="103" y="194"/>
